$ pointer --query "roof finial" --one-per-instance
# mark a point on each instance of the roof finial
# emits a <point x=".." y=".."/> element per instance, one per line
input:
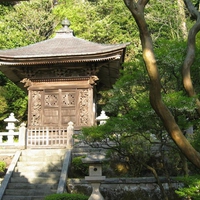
<point x="66" y="23"/>
<point x="65" y="29"/>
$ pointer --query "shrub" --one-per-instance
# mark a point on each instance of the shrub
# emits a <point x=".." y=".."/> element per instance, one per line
<point x="2" y="166"/>
<point x="78" y="167"/>
<point x="191" y="189"/>
<point x="66" y="196"/>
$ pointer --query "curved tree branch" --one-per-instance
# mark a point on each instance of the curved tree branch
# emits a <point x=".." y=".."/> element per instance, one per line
<point x="155" y="85"/>
<point x="190" y="56"/>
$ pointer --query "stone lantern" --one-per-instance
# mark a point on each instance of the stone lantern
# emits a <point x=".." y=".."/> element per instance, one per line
<point x="95" y="174"/>
<point x="102" y="118"/>
<point x="11" y="126"/>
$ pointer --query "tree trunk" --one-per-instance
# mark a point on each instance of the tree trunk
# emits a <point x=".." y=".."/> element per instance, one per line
<point x="137" y="10"/>
<point x="190" y="56"/>
<point x="158" y="181"/>
<point x="162" y="190"/>
<point x="182" y="18"/>
<point x="185" y="164"/>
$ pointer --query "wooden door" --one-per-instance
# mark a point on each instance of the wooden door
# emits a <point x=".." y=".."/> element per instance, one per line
<point x="57" y="107"/>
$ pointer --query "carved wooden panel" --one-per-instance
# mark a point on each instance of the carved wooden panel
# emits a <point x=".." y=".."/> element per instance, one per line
<point x="84" y="110"/>
<point x="68" y="107"/>
<point x="50" y="108"/>
<point x="51" y="100"/>
<point x="36" y="108"/>
<point x="68" y="99"/>
<point x="57" y="107"/>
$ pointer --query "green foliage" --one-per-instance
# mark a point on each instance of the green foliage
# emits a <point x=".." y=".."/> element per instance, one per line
<point x="78" y="167"/>
<point x="195" y="138"/>
<point x="170" y="57"/>
<point x="134" y="128"/>
<point x="2" y="166"/>
<point x="5" y="9"/>
<point x="191" y="189"/>
<point x="26" y="23"/>
<point x="195" y="72"/>
<point x="3" y="107"/>
<point x="183" y="109"/>
<point x="14" y="100"/>
<point x="164" y="19"/>
<point x="66" y="196"/>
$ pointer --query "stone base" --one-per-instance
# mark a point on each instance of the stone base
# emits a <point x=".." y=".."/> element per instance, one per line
<point x="144" y="188"/>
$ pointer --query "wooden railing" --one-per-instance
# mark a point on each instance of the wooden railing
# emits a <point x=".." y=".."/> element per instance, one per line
<point x="47" y="137"/>
<point x="50" y="137"/>
<point x="36" y="137"/>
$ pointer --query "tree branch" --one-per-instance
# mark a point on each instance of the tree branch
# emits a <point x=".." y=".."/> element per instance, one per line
<point x="155" y="89"/>
<point x="191" y="8"/>
<point x="190" y="55"/>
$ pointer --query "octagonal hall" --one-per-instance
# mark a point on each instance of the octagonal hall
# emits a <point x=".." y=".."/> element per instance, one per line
<point x="63" y="76"/>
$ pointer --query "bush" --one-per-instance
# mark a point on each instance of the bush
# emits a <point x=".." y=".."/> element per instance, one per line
<point x="2" y="166"/>
<point x="66" y="196"/>
<point x="191" y="189"/>
<point x="79" y="168"/>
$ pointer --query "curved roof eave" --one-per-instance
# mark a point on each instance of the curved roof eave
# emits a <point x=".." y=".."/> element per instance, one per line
<point x="114" y="55"/>
<point x="60" y="47"/>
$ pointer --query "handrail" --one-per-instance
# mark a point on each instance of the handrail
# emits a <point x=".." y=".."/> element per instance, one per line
<point x="64" y="172"/>
<point x="9" y="173"/>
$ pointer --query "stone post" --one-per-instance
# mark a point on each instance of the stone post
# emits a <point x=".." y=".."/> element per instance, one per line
<point x="95" y="174"/>
<point x="10" y="127"/>
<point x="1" y="139"/>
<point x="22" y="134"/>
<point x="70" y="133"/>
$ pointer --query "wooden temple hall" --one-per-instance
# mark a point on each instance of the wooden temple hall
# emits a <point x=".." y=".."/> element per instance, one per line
<point x="62" y="76"/>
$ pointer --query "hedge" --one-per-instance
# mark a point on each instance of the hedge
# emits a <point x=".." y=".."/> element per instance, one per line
<point x="66" y="196"/>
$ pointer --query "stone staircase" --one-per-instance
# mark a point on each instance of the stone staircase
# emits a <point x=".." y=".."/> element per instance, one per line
<point x="36" y="174"/>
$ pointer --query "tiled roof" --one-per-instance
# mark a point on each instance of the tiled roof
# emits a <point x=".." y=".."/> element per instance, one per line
<point x="63" y="46"/>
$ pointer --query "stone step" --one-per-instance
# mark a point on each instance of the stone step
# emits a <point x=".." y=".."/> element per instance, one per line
<point x="29" y="192"/>
<point x="37" y="163"/>
<point x="35" y="158"/>
<point x="31" y="186"/>
<point x="36" y="175"/>
<point x="38" y="168"/>
<point x="8" y="152"/>
<point x="33" y="174"/>
<point x="36" y="180"/>
<point x="44" y="152"/>
<point x="8" y="197"/>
